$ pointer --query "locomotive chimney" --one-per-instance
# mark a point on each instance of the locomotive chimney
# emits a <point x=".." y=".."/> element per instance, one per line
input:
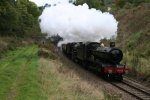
<point x="112" y="44"/>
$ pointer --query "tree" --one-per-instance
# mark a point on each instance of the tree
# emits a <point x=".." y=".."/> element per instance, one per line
<point x="120" y="3"/>
<point x="8" y="17"/>
<point x="28" y="13"/>
<point x="98" y="4"/>
<point x="18" y="17"/>
<point x="33" y="9"/>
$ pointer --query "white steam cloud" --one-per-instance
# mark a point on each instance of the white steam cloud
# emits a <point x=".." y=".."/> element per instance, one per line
<point x="77" y="23"/>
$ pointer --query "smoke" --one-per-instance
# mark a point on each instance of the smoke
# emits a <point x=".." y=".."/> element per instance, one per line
<point x="77" y="23"/>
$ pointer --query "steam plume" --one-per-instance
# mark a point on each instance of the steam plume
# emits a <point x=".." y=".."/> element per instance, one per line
<point x="77" y="23"/>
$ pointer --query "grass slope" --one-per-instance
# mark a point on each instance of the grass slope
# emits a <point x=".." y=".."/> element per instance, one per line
<point x="19" y="75"/>
<point x="61" y="83"/>
<point x="25" y="76"/>
<point x="134" y="39"/>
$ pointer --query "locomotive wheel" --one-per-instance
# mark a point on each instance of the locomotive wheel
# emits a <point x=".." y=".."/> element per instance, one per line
<point x="77" y="61"/>
<point x="72" y="57"/>
<point x="120" y="78"/>
<point x="84" y="64"/>
<point x="108" y="77"/>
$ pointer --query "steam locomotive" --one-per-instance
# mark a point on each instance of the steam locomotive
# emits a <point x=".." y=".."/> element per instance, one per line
<point x="104" y="60"/>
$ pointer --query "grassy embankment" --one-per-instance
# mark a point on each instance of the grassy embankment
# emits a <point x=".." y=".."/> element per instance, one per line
<point x="19" y="75"/>
<point x="25" y="76"/>
<point x="134" y="39"/>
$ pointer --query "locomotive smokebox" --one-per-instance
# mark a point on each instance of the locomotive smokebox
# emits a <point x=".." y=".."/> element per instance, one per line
<point x="108" y="54"/>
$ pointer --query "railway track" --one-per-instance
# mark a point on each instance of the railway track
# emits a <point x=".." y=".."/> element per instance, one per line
<point x="133" y="88"/>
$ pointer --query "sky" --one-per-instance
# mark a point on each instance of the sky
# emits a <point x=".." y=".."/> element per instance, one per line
<point x="43" y="2"/>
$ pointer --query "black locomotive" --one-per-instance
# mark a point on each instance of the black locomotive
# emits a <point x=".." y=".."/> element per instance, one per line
<point x="105" y="60"/>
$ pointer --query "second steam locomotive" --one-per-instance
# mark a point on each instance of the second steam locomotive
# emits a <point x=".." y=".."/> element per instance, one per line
<point x="105" y="60"/>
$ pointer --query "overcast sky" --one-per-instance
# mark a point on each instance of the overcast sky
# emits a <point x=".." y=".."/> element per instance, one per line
<point x="43" y="2"/>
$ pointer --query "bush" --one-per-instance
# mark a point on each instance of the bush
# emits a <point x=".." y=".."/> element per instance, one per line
<point x="128" y="5"/>
<point x="46" y="54"/>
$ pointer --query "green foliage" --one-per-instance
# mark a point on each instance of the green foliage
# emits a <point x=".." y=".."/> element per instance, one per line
<point x="46" y="54"/>
<point x="139" y="66"/>
<point x="98" y="4"/>
<point x="18" y="17"/>
<point x="133" y="40"/>
<point x="8" y="17"/>
<point x="136" y="2"/>
<point x="122" y="3"/>
<point x="33" y="9"/>
<point x="117" y="4"/>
